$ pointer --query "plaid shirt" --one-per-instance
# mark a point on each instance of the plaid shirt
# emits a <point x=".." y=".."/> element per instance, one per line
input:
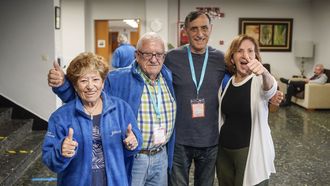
<point x="147" y="118"/>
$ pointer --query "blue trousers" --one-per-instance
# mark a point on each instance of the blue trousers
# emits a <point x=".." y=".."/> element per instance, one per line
<point x="150" y="170"/>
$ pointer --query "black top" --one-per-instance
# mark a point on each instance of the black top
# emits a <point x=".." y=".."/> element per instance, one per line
<point x="236" y="131"/>
<point x="198" y="132"/>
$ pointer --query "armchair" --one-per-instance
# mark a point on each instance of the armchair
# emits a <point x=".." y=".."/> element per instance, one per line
<point x="315" y="96"/>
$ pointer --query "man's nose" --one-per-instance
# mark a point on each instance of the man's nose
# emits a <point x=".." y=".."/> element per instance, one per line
<point x="199" y="32"/>
<point x="153" y="58"/>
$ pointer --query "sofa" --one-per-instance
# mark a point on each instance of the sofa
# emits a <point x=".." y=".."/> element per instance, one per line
<point x="315" y="96"/>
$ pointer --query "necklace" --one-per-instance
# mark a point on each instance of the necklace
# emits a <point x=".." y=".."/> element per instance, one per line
<point x="91" y="112"/>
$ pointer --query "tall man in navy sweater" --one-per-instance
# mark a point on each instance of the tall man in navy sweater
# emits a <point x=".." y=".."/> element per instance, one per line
<point x="198" y="70"/>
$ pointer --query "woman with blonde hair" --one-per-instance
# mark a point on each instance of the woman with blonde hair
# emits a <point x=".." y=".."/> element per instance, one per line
<point x="91" y="138"/>
<point x="246" y="150"/>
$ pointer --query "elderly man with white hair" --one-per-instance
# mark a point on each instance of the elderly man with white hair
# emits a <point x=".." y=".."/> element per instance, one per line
<point x="295" y="87"/>
<point x="123" y="56"/>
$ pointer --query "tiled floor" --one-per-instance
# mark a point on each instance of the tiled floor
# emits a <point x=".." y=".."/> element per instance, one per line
<point x="302" y="144"/>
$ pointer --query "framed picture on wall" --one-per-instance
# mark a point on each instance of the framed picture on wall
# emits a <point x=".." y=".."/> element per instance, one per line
<point x="272" y="34"/>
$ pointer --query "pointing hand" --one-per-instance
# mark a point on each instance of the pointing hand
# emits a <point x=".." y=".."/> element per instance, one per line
<point x="254" y="65"/>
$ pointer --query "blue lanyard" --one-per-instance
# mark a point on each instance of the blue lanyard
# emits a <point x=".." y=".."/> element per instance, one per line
<point x="155" y="102"/>
<point x="192" y="69"/>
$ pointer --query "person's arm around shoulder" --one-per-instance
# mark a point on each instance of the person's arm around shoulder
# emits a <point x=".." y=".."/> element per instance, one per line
<point x="60" y="85"/>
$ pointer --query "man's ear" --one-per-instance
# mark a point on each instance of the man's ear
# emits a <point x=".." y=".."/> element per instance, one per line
<point x="211" y="26"/>
<point x="136" y="54"/>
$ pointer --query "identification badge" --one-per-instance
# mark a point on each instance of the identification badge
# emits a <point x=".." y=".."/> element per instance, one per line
<point x="159" y="136"/>
<point x="198" y="108"/>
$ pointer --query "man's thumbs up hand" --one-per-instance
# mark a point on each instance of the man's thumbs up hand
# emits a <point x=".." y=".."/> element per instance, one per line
<point x="130" y="141"/>
<point x="55" y="75"/>
<point x="69" y="146"/>
<point x="56" y="65"/>
<point x="70" y="135"/>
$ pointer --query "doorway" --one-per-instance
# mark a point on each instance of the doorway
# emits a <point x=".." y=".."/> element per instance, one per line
<point x="107" y="31"/>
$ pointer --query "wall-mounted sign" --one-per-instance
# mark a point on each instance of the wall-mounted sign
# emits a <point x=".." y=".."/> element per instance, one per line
<point x="213" y="12"/>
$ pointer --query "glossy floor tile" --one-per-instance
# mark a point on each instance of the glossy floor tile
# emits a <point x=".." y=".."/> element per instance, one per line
<point x="302" y="145"/>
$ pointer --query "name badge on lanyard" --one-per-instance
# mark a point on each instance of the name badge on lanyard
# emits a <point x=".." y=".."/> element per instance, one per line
<point x="198" y="108"/>
<point x="198" y="104"/>
<point x="159" y="135"/>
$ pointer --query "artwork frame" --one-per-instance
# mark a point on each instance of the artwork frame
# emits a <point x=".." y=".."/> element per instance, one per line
<point x="273" y="34"/>
<point x="57" y="17"/>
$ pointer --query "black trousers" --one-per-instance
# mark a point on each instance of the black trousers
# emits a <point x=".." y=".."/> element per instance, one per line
<point x="293" y="88"/>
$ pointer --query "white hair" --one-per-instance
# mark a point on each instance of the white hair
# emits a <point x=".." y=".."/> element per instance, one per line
<point x="122" y="38"/>
<point x="149" y="36"/>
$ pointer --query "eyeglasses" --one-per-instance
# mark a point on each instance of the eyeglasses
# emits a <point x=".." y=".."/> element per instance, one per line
<point x="148" y="56"/>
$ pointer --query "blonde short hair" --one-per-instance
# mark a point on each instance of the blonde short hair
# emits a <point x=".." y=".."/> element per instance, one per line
<point x="86" y="62"/>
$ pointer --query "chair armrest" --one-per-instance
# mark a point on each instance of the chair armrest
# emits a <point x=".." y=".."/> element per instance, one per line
<point x="297" y="79"/>
<point x="317" y="94"/>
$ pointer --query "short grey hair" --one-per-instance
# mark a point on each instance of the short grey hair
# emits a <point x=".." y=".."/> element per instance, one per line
<point x="320" y="66"/>
<point x="147" y="37"/>
<point x="122" y="38"/>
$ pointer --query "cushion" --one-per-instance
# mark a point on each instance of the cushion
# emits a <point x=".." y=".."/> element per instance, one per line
<point x="327" y="72"/>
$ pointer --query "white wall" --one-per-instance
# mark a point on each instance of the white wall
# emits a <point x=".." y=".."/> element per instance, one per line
<point x="27" y="33"/>
<point x="156" y="11"/>
<point x="282" y="63"/>
<point x="321" y="31"/>
<point x="72" y="29"/>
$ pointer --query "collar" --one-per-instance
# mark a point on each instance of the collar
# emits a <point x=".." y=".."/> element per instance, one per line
<point x="106" y="101"/>
<point x="146" y="78"/>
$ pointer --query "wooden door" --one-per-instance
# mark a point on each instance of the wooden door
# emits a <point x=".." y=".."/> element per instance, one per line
<point x="102" y="38"/>
<point x="134" y="38"/>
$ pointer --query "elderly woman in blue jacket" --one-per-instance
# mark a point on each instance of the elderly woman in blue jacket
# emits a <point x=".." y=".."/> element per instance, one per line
<point x="91" y="139"/>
